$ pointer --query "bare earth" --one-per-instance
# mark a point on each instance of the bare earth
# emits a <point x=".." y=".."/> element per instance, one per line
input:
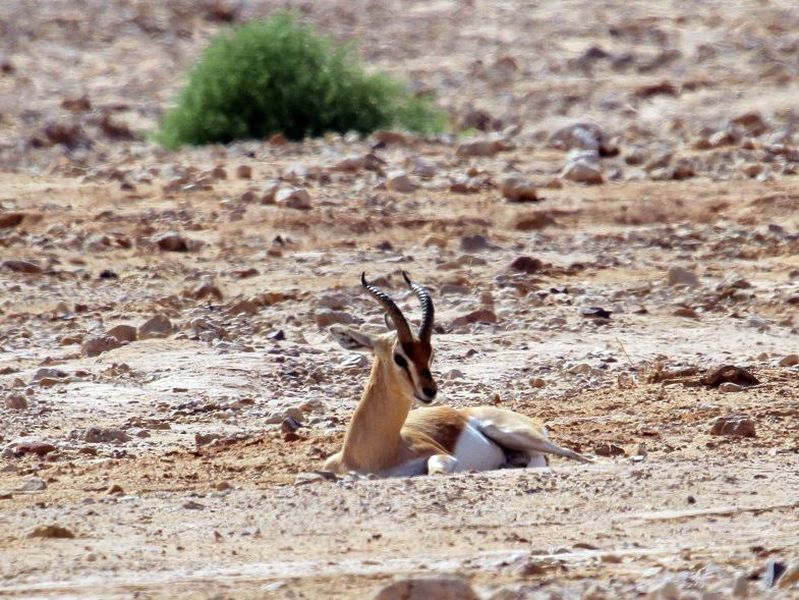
<point x="173" y="462"/>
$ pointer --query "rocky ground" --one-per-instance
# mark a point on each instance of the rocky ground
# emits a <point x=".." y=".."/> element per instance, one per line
<point x="613" y="219"/>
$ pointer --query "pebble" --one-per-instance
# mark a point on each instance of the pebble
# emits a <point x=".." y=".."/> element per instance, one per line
<point x="482" y="315"/>
<point x="30" y="445"/>
<point x="434" y="588"/>
<point x="533" y="221"/>
<point x="608" y="450"/>
<point x="668" y="590"/>
<point x="33" y="484"/>
<point x="729" y="386"/>
<point x="475" y="243"/>
<point x="517" y="189"/>
<point x="51" y="531"/>
<point x="789" y="361"/>
<point x="158" y="326"/>
<point x="171" y="242"/>
<point x="11" y="219"/>
<point x="680" y="276"/>
<point x="244" y="172"/>
<point x="115" y="489"/>
<point x="15" y="402"/>
<point x="479" y="147"/>
<point x="97" y="435"/>
<point x="326" y="318"/>
<point x="398" y="181"/>
<point x="192" y="505"/>
<point x="49" y="372"/>
<point x="582" y="136"/>
<point x="22" y="266"/>
<point x="203" y="439"/>
<point x="582" y="171"/>
<point x="526" y="264"/>
<point x="293" y="197"/>
<point x="735" y="425"/>
<point x="123" y="333"/>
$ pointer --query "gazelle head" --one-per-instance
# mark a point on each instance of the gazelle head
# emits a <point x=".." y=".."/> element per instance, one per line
<point x="407" y="354"/>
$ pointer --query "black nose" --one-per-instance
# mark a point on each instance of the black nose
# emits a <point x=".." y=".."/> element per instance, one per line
<point x="430" y="392"/>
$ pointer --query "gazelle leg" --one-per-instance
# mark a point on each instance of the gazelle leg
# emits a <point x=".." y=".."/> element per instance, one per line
<point x="441" y="464"/>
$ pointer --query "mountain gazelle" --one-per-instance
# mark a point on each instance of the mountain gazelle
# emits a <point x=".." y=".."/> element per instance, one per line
<point x="387" y="438"/>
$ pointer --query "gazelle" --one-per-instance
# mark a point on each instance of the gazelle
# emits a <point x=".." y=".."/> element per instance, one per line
<point x="387" y="438"/>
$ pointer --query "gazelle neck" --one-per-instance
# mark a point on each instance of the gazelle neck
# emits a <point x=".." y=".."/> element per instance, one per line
<point x="373" y="435"/>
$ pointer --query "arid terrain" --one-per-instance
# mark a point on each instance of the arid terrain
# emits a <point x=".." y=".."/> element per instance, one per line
<point x="613" y="217"/>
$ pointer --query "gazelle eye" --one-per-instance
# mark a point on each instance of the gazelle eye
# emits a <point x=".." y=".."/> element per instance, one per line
<point x="400" y="360"/>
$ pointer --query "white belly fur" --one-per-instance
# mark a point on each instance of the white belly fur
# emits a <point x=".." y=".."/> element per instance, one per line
<point x="475" y="452"/>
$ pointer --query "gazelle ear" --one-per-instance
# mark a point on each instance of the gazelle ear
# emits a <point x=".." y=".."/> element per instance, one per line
<point x="352" y="339"/>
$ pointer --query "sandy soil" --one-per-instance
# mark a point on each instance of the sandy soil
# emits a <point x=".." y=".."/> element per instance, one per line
<point x="168" y="460"/>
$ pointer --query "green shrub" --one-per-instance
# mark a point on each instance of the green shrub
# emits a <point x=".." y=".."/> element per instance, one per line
<point x="276" y="76"/>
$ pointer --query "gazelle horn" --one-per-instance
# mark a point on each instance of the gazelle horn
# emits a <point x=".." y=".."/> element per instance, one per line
<point x="426" y="328"/>
<point x="392" y="310"/>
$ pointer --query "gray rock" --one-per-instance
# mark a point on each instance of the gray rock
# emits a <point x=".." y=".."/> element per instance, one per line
<point x="97" y="435"/>
<point x="33" y="484"/>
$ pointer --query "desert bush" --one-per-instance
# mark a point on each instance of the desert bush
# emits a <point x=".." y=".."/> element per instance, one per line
<point x="276" y="76"/>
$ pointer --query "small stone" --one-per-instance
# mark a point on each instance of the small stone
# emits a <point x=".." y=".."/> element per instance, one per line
<point x="326" y="318"/>
<point x="475" y="243"/>
<point x="735" y="425"/>
<point x="482" y="315"/>
<point x="34" y="484"/>
<point x="123" y="333"/>
<point x="437" y="588"/>
<point x="583" y="136"/>
<point x="11" y="219"/>
<point x="171" y="242"/>
<point x="115" y="489"/>
<point x="668" y="590"/>
<point x="680" y="276"/>
<point x="582" y="171"/>
<point x="96" y="345"/>
<point x="219" y="172"/>
<point x="15" y="402"/>
<point x="479" y="147"/>
<point x="192" y="505"/>
<point x="289" y="425"/>
<point x="31" y="445"/>
<point x="244" y="172"/>
<point x="349" y="164"/>
<point x="22" y="266"/>
<point x="518" y="189"/>
<point x="49" y="372"/>
<point x="729" y="386"/>
<point x="158" y="326"/>
<point x="526" y="264"/>
<point x="97" y="435"/>
<point x="398" y="181"/>
<point x="789" y="361"/>
<point x="51" y="531"/>
<point x="685" y="311"/>
<point x="293" y="197"/>
<point x="207" y="289"/>
<point x="248" y="306"/>
<point x="203" y="439"/>
<point x="533" y="221"/>
<point x="595" y="312"/>
<point x="608" y="450"/>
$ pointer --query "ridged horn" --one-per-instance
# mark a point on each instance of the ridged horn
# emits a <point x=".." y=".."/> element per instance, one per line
<point x="426" y="328"/>
<point x="392" y="310"/>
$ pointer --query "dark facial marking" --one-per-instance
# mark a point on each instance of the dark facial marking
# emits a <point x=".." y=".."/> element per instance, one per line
<point x="400" y="360"/>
